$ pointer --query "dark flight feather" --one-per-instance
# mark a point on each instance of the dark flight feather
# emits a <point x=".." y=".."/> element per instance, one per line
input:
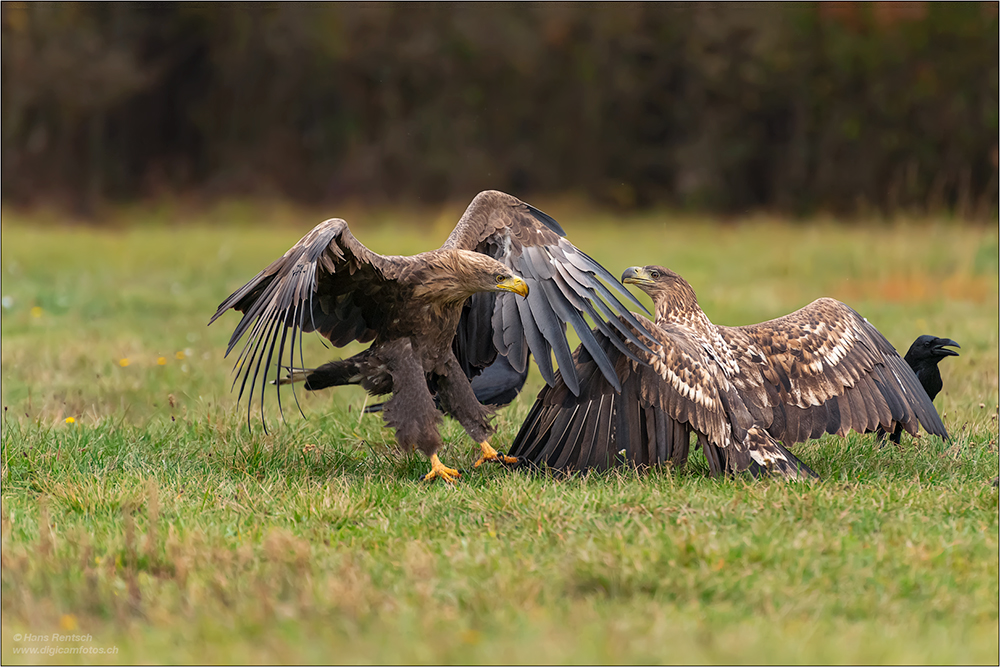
<point x="500" y="224"/>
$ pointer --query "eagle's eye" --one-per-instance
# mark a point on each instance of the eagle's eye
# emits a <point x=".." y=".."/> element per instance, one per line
<point x="501" y="278"/>
<point x="654" y="275"/>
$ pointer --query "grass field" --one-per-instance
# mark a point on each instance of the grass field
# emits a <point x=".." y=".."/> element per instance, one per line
<point x="142" y="522"/>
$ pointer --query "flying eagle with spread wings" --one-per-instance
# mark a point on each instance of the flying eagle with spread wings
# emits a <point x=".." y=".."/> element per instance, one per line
<point x="749" y="393"/>
<point x="505" y="282"/>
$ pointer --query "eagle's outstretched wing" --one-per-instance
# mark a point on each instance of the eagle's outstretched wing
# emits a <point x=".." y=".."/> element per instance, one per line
<point x="647" y="422"/>
<point x="821" y="369"/>
<point x="330" y="283"/>
<point x="564" y="285"/>
<point x="825" y="368"/>
<point x="677" y="390"/>
<point x="327" y="282"/>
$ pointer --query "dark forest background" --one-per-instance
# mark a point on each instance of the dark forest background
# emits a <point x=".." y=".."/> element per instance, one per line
<point x="792" y="108"/>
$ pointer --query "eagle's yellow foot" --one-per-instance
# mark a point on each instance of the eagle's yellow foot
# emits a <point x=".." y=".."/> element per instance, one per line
<point x="490" y="454"/>
<point x="439" y="469"/>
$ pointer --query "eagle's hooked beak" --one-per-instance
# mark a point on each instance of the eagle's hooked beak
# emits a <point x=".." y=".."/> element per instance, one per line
<point x="515" y="285"/>
<point x="636" y="275"/>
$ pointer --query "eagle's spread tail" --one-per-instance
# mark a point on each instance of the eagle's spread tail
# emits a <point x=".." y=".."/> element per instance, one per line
<point x="333" y="374"/>
<point x="359" y="369"/>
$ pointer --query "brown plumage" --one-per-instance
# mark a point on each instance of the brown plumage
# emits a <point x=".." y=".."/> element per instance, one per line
<point x="748" y="392"/>
<point x="434" y="319"/>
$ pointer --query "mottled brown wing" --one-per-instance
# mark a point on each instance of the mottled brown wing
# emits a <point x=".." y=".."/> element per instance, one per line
<point x="675" y="389"/>
<point x="824" y="368"/>
<point x="680" y="389"/>
<point x="682" y="379"/>
<point x="327" y="282"/>
<point x="564" y="285"/>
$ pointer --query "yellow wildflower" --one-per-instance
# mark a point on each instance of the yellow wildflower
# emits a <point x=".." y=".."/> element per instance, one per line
<point x="70" y="420"/>
<point x="36" y="311"/>
<point x="123" y="362"/>
<point x="180" y="354"/>
<point x="161" y="361"/>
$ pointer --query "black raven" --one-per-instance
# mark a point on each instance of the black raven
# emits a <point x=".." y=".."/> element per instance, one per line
<point x="923" y="357"/>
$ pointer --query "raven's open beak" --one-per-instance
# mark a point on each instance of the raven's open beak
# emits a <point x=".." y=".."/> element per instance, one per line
<point x="940" y="349"/>
<point x="515" y="285"/>
<point x="636" y="275"/>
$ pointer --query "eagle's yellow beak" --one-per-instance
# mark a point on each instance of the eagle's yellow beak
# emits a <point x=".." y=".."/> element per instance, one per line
<point x="515" y="285"/>
<point x="636" y="275"/>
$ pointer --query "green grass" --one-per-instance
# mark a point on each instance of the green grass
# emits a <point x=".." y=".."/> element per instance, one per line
<point x="157" y="525"/>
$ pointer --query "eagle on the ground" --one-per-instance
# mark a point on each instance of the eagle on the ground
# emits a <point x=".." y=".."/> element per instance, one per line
<point x="749" y="392"/>
<point x="434" y="319"/>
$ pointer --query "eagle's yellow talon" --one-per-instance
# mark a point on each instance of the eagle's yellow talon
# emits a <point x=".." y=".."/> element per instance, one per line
<point x="490" y="454"/>
<point x="439" y="469"/>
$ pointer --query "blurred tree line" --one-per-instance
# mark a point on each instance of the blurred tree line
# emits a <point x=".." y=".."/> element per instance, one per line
<point x="726" y="107"/>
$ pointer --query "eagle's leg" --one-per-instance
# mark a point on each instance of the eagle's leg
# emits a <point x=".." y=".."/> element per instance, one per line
<point x="439" y="469"/>
<point x="490" y="454"/>
<point x="411" y="410"/>
<point x="459" y="400"/>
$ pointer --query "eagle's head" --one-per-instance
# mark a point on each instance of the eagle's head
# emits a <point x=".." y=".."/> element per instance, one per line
<point x="488" y="275"/>
<point x="654" y="280"/>
<point x="454" y="275"/>
<point x="668" y="290"/>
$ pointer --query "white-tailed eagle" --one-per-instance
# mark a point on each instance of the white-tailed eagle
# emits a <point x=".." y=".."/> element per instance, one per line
<point x="505" y="282"/>
<point x="748" y="392"/>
